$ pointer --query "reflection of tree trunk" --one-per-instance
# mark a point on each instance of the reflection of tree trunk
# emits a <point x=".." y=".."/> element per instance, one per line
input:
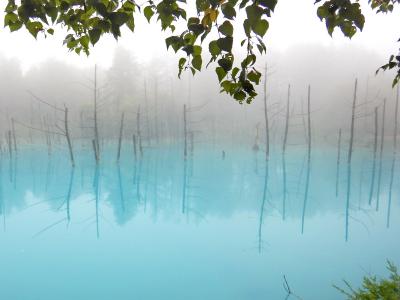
<point x="285" y="137"/>
<point x="71" y="180"/>
<point x="338" y="162"/>
<point x="184" y="186"/>
<point x="349" y="158"/>
<point x="2" y="202"/>
<point x="371" y="191"/>
<point x="381" y="155"/>
<point x="96" y="187"/>
<point x="396" y="112"/>
<point x="121" y="191"/>
<point x="308" y="159"/>
<point x="262" y="208"/>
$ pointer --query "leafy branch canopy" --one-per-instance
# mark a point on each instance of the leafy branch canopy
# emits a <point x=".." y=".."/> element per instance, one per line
<point x="87" y="21"/>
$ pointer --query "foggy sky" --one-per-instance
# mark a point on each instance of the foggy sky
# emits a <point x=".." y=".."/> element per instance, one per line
<point x="294" y="23"/>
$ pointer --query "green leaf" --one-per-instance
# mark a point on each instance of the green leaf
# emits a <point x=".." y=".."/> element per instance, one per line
<point x="84" y="40"/>
<point x="197" y="50"/>
<point x="239" y="96"/>
<point x="225" y="43"/>
<point x="131" y="24"/>
<point x="226" y="28"/>
<point x="225" y="63"/>
<point x="197" y="62"/>
<point x="10" y="18"/>
<point x="254" y="13"/>
<point x="118" y="18"/>
<point x="148" y="13"/>
<point x="260" y="27"/>
<point x="254" y="76"/>
<point x="181" y="64"/>
<point x="220" y="73"/>
<point x="214" y="49"/>
<point x="228" y="11"/>
<point x="94" y="35"/>
<point x="34" y="27"/>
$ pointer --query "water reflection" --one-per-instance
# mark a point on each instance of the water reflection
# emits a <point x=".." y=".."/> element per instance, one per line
<point x="159" y="179"/>
<point x="197" y="216"/>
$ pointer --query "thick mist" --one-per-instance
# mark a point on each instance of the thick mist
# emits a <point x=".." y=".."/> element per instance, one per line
<point x="152" y="98"/>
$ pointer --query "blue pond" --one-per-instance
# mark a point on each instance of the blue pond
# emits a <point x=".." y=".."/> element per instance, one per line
<point x="209" y="227"/>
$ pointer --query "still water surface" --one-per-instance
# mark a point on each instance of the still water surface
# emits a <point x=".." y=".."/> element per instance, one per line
<point x="205" y="228"/>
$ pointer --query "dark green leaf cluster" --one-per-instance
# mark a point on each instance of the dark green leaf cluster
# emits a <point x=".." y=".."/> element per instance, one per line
<point x="88" y="20"/>
<point x="238" y="81"/>
<point x="374" y="288"/>
<point x="344" y="14"/>
<point x="383" y="6"/>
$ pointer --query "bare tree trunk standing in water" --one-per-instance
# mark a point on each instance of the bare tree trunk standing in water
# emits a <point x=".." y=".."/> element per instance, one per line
<point x="381" y="155"/>
<point x="139" y="135"/>
<point x="266" y="116"/>
<point x="14" y="135"/>
<point x="396" y="113"/>
<point x="371" y="191"/>
<point x="66" y="128"/>
<point x="134" y="146"/>
<point x="9" y="142"/>
<point x="185" y="132"/>
<point x="121" y="129"/>
<point x="349" y="158"/>
<point x="96" y="129"/>
<point x="264" y="196"/>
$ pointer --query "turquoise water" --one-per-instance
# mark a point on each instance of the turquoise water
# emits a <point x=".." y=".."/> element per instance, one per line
<point x="209" y="227"/>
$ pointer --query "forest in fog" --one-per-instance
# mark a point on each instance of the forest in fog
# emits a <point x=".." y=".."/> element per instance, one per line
<point x="151" y="99"/>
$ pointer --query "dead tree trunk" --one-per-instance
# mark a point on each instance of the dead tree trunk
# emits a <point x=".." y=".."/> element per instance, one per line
<point x="156" y="127"/>
<point x="96" y="129"/>
<point x="266" y="116"/>
<point x="308" y="159"/>
<point x="139" y="135"/>
<point x="381" y="155"/>
<point x="95" y="151"/>
<point x="349" y="158"/>
<point x="9" y="142"/>
<point x="371" y="191"/>
<point x="14" y="135"/>
<point x="185" y="132"/>
<point x="285" y="137"/>
<point x="134" y="146"/>
<point x="396" y="113"/>
<point x="67" y="135"/>
<point x="121" y="129"/>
